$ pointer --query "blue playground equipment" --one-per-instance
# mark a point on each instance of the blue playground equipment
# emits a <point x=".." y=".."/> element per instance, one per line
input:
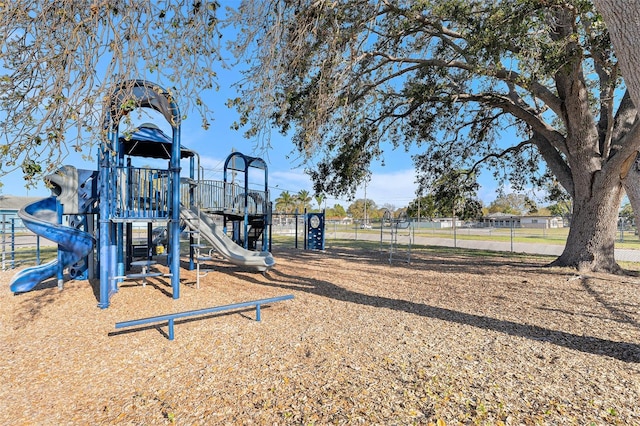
<point x="247" y="212"/>
<point x="74" y="196"/>
<point x="120" y="195"/>
<point x="314" y="231"/>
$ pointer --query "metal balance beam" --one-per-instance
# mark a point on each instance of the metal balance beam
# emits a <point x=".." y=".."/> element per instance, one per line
<point x="170" y="318"/>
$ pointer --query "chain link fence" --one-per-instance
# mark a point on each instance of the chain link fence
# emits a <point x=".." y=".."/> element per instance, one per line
<point x="19" y="246"/>
<point x="544" y="241"/>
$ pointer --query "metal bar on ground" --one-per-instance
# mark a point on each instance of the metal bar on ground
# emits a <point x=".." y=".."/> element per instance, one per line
<point x="171" y="317"/>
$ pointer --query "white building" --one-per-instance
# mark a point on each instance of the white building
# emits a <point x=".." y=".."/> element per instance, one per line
<point x="502" y="220"/>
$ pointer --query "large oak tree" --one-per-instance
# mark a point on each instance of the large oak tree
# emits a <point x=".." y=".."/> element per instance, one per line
<point x="351" y="77"/>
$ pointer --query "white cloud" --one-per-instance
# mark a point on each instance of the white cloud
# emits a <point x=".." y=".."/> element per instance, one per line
<point x="396" y="188"/>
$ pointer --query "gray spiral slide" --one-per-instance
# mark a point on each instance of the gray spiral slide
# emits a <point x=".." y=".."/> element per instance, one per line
<point x="200" y="222"/>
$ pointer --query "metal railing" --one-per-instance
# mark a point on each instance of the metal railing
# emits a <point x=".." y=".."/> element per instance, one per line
<point x="215" y="195"/>
<point x="141" y="193"/>
<point x="18" y="245"/>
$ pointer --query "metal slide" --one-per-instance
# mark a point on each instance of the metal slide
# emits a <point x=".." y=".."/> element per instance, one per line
<point x="200" y="222"/>
<point x="73" y="244"/>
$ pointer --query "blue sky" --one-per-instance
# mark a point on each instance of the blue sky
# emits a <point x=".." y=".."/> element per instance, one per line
<point x="392" y="184"/>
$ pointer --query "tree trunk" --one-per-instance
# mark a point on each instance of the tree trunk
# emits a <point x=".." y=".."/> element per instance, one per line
<point x="622" y="18"/>
<point x="591" y="240"/>
<point x="632" y="188"/>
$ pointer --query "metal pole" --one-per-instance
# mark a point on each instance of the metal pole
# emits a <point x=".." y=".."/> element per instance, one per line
<point x="13" y="242"/>
<point x="455" y="239"/>
<point x="107" y="197"/>
<point x="37" y="249"/>
<point x="4" y="239"/>
<point x="60" y="211"/>
<point x="512" y="235"/>
<point x="305" y="236"/>
<point x="365" y="204"/>
<point x="296" y="228"/>
<point x="174" y="223"/>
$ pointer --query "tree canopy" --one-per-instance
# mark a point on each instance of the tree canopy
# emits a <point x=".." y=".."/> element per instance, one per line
<point x="285" y="202"/>
<point x="512" y="203"/>
<point x="59" y="60"/>
<point x="352" y="78"/>
<point x="363" y="210"/>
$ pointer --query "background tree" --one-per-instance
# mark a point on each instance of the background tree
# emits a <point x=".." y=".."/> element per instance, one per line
<point x="336" y="212"/>
<point x="285" y="203"/>
<point x="320" y="198"/>
<point x="454" y="194"/>
<point x="58" y="61"/>
<point x="626" y="212"/>
<point x="303" y="200"/>
<point x="512" y="203"/>
<point x="348" y="76"/>
<point x="561" y="201"/>
<point x="356" y="209"/>
<point x="423" y="207"/>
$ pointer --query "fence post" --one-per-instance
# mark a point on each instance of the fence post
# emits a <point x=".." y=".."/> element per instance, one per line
<point x="511" y="236"/>
<point x="296" y="228"/>
<point x="4" y="239"/>
<point x="13" y="243"/>
<point x="37" y="249"/>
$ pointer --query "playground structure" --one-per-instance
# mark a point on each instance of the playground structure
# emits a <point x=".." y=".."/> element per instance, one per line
<point x="91" y="214"/>
<point x="390" y="229"/>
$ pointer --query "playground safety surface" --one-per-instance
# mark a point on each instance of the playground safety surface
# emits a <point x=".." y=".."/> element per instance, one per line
<point x="449" y="338"/>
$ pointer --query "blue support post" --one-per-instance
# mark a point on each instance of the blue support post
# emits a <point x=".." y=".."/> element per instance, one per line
<point x="60" y="263"/>
<point x="171" y="333"/>
<point x="192" y="203"/>
<point x="324" y="231"/>
<point x="120" y="251"/>
<point x="175" y="210"/>
<point x="113" y="282"/>
<point x="104" y="231"/>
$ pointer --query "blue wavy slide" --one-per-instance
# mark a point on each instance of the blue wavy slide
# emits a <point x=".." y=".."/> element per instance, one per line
<point x="73" y="244"/>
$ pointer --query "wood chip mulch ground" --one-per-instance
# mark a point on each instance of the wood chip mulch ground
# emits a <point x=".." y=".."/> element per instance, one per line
<point x="447" y="339"/>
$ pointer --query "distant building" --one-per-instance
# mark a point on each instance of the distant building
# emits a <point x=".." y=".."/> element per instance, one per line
<point x="541" y="222"/>
<point x="438" y="223"/>
<point x="10" y="204"/>
<point x="502" y="220"/>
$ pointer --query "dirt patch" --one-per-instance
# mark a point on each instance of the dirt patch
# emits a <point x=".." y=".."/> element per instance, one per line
<point x="457" y="338"/>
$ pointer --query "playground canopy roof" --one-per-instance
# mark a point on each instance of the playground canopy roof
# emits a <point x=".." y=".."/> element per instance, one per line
<point x="144" y="94"/>
<point x="149" y="141"/>
<point x="241" y="163"/>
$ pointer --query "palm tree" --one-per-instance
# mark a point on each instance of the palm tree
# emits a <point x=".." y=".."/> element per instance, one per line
<point x="303" y="200"/>
<point x="285" y="202"/>
<point x="320" y="199"/>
